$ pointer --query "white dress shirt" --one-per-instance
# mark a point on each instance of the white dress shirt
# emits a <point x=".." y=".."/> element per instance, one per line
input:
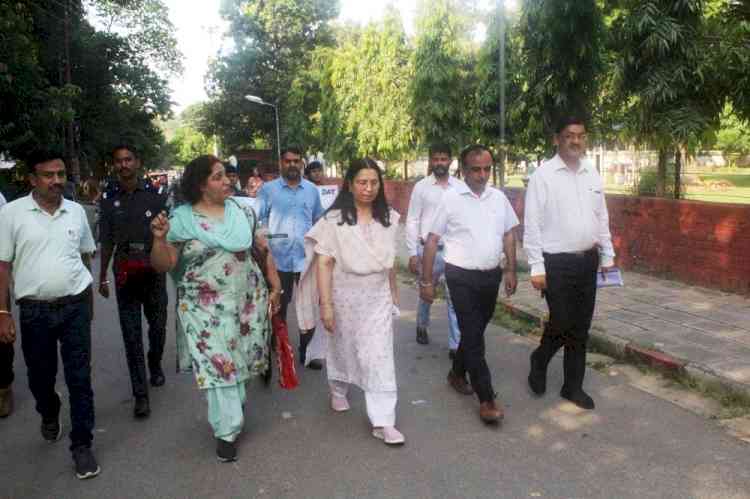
<point x="45" y="249"/>
<point x="472" y="227"/>
<point x="425" y="200"/>
<point x="565" y="211"/>
<point x="2" y="200"/>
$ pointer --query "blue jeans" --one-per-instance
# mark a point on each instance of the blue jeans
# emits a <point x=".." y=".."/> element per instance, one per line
<point x="423" y="308"/>
<point x="43" y="325"/>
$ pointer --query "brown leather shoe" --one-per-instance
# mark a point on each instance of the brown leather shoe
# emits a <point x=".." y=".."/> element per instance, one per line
<point x="459" y="384"/>
<point x="490" y="413"/>
<point x="6" y="402"/>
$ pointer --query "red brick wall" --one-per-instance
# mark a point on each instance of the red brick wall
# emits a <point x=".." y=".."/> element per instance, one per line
<point x="706" y="244"/>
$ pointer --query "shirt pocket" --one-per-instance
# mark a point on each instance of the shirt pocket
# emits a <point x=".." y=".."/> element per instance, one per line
<point x="73" y="239"/>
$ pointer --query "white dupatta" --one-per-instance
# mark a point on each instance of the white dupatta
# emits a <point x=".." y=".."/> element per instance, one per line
<point x="352" y="252"/>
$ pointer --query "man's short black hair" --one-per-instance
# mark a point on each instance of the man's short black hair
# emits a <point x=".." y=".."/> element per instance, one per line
<point x="127" y="147"/>
<point x="473" y="150"/>
<point x="42" y="155"/>
<point x="440" y="148"/>
<point x="229" y="169"/>
<point x="292" y="149"/>
<point x="313" y="165"/>
<point x="566" y="120"/>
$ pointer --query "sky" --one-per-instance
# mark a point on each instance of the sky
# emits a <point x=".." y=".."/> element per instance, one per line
<point x="199" y="30"/>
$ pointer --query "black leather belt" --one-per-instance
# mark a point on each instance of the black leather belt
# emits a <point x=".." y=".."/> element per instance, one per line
<point x="574" y="254"/>
<point x="56" y="302"/>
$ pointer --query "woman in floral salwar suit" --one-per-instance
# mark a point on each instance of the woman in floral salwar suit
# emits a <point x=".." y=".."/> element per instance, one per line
<point x="223" y="300"/>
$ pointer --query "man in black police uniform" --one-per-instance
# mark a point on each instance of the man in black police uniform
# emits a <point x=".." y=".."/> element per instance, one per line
<point x="126" y="215"/>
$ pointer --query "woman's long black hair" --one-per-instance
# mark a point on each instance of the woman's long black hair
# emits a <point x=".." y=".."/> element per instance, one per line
<point x="345" y="200"/>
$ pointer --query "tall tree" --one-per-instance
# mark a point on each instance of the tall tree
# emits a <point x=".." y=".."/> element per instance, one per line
<point x="273" y="41"/>
<point x="669" y="101"/>
<point x="562" y="43"/>
<point x="443" y="83"/>
<point x="366" y="94"/>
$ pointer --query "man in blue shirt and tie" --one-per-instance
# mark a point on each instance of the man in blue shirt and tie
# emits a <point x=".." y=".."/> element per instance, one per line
<point x="289" y="206"/>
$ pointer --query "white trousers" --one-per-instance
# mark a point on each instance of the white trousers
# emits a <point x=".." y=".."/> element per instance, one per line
<point x="381" y="406"/>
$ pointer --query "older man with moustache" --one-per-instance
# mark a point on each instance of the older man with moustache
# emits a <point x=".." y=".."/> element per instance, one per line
<point x="475" y="223"/>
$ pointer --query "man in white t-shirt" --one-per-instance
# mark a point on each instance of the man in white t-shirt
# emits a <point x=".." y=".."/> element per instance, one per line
<point x="425" y="199"/>
<point x="45" y="241"/>
<point x="475" y="223"/>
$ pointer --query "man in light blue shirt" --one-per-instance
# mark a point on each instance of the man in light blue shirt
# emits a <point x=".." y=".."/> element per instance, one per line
<point x="288" y="207"/>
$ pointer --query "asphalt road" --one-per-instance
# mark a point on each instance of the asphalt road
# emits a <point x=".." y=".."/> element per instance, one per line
<point x="633" y="445"/>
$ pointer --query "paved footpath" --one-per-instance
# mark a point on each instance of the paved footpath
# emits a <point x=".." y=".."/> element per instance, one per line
<point x="702" y="331"/>
<point x="633" y="446"/>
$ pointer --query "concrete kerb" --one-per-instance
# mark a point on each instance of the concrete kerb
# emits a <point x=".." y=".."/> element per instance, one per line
<point x="630" y="351"/>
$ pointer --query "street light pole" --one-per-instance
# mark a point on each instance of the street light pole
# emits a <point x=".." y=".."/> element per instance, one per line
<point x="501" y="22"/>
<point x="257" y="100"/>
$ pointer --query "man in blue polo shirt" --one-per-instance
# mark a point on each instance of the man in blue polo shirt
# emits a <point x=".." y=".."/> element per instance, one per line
<point x="289" y="206"/>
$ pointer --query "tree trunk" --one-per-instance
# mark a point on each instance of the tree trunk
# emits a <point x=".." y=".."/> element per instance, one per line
<point x="677" y="173"/>
<point x="406" y="169"/>
<point x="661" y="173"/>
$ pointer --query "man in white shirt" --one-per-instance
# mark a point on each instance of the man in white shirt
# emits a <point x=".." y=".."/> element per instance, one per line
<point x="45" y="241"/>
<point x="475" y="223"/>
<point x="425" y="200"/>
<point x="566" y="238"/>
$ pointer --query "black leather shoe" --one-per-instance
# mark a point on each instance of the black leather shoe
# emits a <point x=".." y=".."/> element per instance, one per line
<point x="142" y="408"/>
<point x="315" y="365"/>
<point x="578" y="397"/>
<point x="422" y="337"/>
<point x="537" y="377"/>
<point x="226" y="452"/>
<point x="157" y="377"/>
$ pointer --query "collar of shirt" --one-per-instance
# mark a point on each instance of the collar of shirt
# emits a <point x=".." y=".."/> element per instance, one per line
<point x="34" y="206"/>
<point x="284" y="183"/>
<point x="463" y="189"/>
<point x="452" y="181"/>
<point x="560" y="165"/>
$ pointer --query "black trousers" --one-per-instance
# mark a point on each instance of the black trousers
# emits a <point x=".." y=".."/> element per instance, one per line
<point x="43" y="325"/>
<point x="571" y="295"/>
<point x="288" y="280"/>
<point x="474" y="296"/>
<point x="146" y="291"/>
<point x="6" y="364"/>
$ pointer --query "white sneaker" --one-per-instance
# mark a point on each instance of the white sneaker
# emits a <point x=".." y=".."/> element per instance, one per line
<point x="339" y="404"/>
<point x="389" y="434"/>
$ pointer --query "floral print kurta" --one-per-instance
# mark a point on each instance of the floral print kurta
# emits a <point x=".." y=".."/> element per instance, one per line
<point x="223" y="307"/>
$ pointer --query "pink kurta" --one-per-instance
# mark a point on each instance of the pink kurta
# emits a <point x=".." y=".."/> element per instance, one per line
<point x="360" y="350"/>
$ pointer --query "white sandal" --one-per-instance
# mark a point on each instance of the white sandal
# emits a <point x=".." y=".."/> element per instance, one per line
<point x="389" y="434"/>
<point x="339" y="404"/>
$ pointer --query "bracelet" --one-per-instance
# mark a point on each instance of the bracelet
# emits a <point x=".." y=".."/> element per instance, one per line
<point x="279" y="291"/>
<point x="103" y="282"/>
<point x="5" y="312"/>
<point x="423" y="284"/>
